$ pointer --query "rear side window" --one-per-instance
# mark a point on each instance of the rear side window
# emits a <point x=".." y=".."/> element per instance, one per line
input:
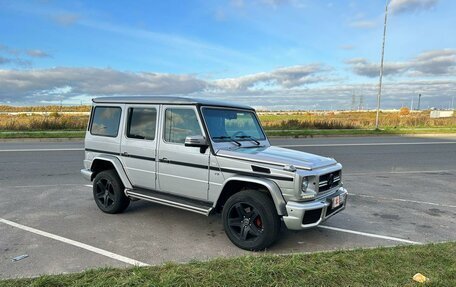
<point x="142" y="123"/>
<point x="105" y="121"/>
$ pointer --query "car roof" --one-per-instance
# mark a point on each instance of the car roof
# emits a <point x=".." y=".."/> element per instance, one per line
<point x="172" y="100"/>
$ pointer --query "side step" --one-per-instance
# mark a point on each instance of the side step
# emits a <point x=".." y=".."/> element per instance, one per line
<point x="197" y="206"/>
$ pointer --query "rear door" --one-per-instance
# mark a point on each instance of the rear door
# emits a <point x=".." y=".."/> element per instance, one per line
<point x="139" y="145"/>
<point x="182" y="170"/>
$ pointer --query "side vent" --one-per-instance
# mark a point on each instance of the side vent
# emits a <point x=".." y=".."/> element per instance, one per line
<point x="260" y="169"/>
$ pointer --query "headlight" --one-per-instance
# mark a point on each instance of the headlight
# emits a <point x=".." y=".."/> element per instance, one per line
<point x="304" y="184"/>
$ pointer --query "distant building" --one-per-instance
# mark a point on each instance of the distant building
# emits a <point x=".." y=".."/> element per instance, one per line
<point x="441" y="114"/>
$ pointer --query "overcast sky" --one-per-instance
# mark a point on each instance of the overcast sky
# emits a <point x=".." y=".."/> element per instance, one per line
<point x="272" y="54"/>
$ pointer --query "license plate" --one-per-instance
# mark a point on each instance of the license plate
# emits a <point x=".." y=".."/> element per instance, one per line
<point x="336" y="201"/>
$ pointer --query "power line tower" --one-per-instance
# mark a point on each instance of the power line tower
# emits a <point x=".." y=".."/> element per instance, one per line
<point x="353" y="101"/>
<point x="419" y="102"/>
<point x="361" y="102"/>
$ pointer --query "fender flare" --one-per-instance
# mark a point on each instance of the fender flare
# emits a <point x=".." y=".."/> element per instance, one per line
<point x="270" y="185"/>
<point x="117" y="166"/>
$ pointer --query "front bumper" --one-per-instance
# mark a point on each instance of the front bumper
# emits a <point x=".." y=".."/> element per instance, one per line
<point x="302" y="215"/>
<point x="87" y="174"/>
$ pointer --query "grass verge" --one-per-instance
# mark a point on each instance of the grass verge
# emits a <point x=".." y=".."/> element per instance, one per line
<point x="41" y="134"/>
<point x="282" y="133"/>
<point x="360" y="132"/>
<point x="363" y="267"/>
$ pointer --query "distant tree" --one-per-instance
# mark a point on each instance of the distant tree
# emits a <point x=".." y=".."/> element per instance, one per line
<point x="404" y="111"/>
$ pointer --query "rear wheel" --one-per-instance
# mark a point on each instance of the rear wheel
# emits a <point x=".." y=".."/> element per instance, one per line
<point x="108" y="192"/>
<point x="250" y="220"/>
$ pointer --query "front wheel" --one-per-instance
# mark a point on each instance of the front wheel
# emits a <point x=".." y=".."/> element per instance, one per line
<point x="250" y="220"/>
<point x="108" y="192"/>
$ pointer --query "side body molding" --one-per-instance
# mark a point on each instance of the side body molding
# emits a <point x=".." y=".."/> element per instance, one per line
<point x="270" y="185"/>
<point x="117" y="165"/>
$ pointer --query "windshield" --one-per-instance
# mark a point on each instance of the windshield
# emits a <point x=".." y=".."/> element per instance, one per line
<point x="227" y="125"/>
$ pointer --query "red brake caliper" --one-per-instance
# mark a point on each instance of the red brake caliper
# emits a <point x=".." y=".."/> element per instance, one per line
<point x="258" y="222"/>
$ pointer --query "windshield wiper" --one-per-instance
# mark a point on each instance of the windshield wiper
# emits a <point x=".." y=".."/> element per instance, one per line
<point x="227" y="138"/>
<point x="250" y="138"/>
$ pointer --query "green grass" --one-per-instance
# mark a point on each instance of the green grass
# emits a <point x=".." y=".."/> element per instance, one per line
<point x="282" y="133"/>
<point x="41" y="134"/>
<point x="363" y="267"/>
<point x="360" y="132"/>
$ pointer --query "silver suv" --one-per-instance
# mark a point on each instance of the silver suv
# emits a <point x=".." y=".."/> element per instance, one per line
<point x="207" y="157"/>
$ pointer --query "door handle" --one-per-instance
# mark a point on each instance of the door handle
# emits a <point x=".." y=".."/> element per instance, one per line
<point x="165" y="160"/>
<point x="125" y="153"/>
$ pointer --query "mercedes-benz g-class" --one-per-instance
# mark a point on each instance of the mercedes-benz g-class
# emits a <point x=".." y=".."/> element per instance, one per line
<point x="207" y="157"/>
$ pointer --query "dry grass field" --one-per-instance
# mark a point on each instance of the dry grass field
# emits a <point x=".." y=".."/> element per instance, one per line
<point x="352" y="120"/>
<point x="53" y="121"/>
<point x="42" y="118"/>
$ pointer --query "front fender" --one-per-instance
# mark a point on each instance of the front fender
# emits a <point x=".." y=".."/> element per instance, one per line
<point x="270" y="185"/>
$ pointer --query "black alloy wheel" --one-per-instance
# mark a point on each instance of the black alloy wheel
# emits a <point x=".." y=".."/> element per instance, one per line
<point x="244" y="221"/>
<point x="108" y="192"/>
<point x="250" y="220"/>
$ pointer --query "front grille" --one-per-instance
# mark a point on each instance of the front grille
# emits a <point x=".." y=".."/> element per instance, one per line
<point x="329" y="180"/>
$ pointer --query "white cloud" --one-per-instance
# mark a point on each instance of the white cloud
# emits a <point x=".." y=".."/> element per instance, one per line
<point x="404" y="6"/>
<point x="31" y="85"/>
<point x="363" y="24"/>
<point x="283" y="88"/>
<point x="65" y="18"/>
<point x="35" y="53"/>
<point x="430" y="63"/>
<point x="346" y="47"/>
<point x="288" y="77"/>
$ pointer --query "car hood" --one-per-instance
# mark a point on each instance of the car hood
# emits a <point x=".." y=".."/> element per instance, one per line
<point x="278" y="155"/>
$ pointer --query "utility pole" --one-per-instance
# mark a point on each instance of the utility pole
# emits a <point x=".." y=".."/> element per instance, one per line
<point x="419" y="101"/>
<point x="379" y="95"/>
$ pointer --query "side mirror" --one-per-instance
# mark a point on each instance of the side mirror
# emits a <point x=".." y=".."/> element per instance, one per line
<point x="196" y="141"/>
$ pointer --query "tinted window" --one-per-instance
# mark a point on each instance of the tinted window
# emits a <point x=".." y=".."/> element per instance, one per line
<point x="105" y="121"/>
<point x="180" y="123"/>
<point x="141" y="123"/>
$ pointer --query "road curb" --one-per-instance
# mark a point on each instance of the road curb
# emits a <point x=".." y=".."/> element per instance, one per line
<point x="270" y="137"/>
<point x="362" y="135"/>
<point x="42" y="140"/>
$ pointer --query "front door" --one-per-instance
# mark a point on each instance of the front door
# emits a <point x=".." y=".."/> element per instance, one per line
<point x="182" y="170"/>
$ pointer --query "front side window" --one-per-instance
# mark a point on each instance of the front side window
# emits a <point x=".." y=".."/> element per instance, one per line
<point x="142" y="123"/>
<point x="180" y="123"/>
<point x="227" y="124"/>
<point x="106" y="121"/>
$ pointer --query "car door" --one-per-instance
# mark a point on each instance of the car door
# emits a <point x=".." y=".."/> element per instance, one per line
<point x="182" y="170"/>
<point x="139" y="143"/>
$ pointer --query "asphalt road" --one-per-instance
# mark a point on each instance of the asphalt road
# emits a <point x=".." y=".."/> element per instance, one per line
<point x="402" y="190"/>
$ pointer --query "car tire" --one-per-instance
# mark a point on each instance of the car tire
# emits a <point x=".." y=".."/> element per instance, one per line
<point x="108" y="192"/>
<point x="250" y="220"/>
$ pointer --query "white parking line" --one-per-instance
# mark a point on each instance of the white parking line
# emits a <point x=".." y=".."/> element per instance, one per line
<point x="75" y="243"/>
<point x="365" y="144"/>
<point x="400" y="172"/>
<point x="41" y="149"/>
<point x="403" y="200"/>
<point x="369" y="234"/>
<point x="42" y="185"/>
